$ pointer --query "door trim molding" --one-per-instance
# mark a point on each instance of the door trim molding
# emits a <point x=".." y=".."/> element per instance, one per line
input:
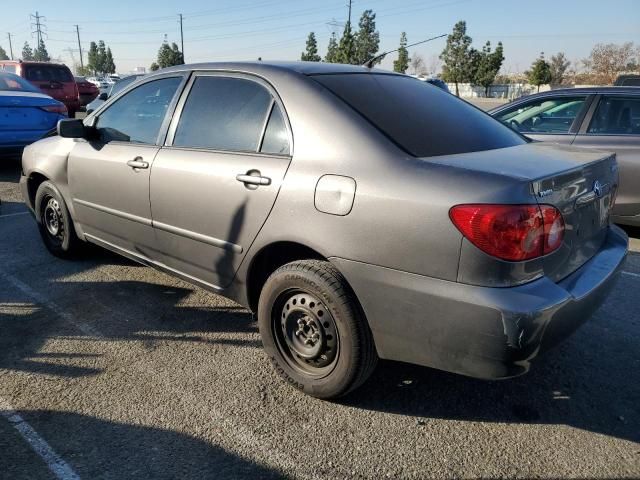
<point x="198" y="237"/>
<point x="113" y="211"/>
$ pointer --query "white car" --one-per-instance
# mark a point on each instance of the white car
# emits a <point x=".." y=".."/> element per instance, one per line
<point x="101" y="83"/>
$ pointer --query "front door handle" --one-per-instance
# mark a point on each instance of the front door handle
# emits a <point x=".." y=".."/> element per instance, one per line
<point x="138" y="162"/>
<point x="253" y="177"/>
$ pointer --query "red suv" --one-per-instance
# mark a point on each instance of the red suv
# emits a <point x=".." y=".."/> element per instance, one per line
<point x="54" y="79"/>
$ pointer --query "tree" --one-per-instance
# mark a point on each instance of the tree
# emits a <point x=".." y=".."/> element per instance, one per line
<point x="3" y="54"/>
<point x="109" y="65"/>
<point x="402" y="63"/>
<point x="102" y="57"/>
<point x="607" y="61"/>
<point x="540" y="73"/>
<point x="93" y="60"/>
<point x="40" y="53"/>
<point x="488" y="66"/>
<point x="559" y="65"/>
<point x="27" y="53"/>
<point x="367" y="40"/>
<point x="311" y="53"/>
<point x="346" y="46"/>
<point x="169" y="56"/>
<point x="456" y="58"/>
<point x="417" y="65"/>
<point x="154" y="67"/>
<point x="332" y="50"/>
<point x="84" y="71"/>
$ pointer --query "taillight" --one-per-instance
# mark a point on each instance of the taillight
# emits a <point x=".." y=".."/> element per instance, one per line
<point x="510" y="232"/>
<point x="61" y="109"/>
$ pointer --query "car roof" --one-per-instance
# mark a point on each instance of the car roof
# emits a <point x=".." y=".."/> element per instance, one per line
<point x="305" y="68"/>
<point x="33" y="62"/>
<point x="587" y="90"/>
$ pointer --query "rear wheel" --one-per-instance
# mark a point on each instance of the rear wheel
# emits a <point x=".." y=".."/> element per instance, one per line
<point x="54" y="222"/>
<point x="313" y="329"/>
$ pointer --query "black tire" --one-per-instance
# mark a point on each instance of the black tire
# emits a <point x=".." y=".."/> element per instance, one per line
<point x="314" y="331"/>
<point x="54" y="222"/>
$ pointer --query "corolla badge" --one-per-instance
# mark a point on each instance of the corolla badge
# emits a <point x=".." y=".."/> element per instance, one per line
<point x="597" y="188"/>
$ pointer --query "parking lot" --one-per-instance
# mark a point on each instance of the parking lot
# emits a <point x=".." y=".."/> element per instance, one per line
<point x="113" y="370"/>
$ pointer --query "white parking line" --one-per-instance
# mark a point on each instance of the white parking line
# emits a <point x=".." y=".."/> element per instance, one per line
<point x="631" y="274"/>
<point x="56" y="464"/>
<point x="14" y="214"/>
<point x="236" y="431"/>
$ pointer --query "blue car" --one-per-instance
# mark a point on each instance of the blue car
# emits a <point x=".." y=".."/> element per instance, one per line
<point x="26" y="114"/>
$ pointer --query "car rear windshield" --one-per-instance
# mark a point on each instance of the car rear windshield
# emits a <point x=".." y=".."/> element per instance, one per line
<point x="15" y="83"/>
<point x="422" y="119"/>
<point x="48" y="73"/>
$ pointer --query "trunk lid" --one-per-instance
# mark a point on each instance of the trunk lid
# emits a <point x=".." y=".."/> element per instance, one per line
<point x="22" y="111"/>
<point x="580" y="183"/>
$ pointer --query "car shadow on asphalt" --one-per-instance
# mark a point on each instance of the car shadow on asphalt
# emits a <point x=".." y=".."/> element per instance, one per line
<point x="99" y="448"/>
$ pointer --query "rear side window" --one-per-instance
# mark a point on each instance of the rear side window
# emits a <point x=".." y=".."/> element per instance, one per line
<point x="223" y="113"/>
<point x="276" y="139"/>
<point x="422" y="119"/>
<point x="9" y="68"/>
<point x="545" y="115"/>
<point x="48" y="73"/>
<point x="616" y="116"/>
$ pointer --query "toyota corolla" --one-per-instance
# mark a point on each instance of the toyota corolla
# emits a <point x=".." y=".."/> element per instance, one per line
<point x="361" y="214"/>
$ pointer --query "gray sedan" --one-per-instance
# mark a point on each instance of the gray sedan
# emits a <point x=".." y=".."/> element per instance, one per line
<point x="601" y="117"/>
<point x="362" y="214"/>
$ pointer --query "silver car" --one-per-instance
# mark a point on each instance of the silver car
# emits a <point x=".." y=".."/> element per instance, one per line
<point x="362" y="214"/>
<point x="599" y="117"/>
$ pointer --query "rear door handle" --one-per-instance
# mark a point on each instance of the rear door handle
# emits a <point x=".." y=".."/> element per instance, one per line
<point x="253" y="177"/>
<point x="138" y="162"/>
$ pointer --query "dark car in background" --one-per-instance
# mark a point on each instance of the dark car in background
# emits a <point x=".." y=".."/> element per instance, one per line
<point x="628" y="80"/>
<point x="54" y="79"/>
<point x="436" y="82"/>
<point x="607" y="118"/>
<point x="26" y="114"/>
<point x="87" y="90"/>
<point x="115" y="88"/>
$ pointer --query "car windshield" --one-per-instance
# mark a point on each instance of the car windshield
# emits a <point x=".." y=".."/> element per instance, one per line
<point x="422" y="120"/>
<point x="14" y="83"/>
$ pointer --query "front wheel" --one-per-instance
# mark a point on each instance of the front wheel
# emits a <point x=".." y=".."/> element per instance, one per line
<point x="314" y="331"/>
<point x="54" y="222"/>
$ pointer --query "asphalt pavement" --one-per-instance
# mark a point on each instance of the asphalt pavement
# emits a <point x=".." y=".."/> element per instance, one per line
<point x="112" y="370"/>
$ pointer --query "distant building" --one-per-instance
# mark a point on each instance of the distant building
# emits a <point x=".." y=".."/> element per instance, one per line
<point x="139" y="70"/>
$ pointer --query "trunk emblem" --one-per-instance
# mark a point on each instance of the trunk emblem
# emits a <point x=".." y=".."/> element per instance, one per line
<point x="545" y="193"/>
<point x="598" y="188"/>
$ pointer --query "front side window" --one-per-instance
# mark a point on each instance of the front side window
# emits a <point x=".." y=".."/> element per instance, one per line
<point x="223" y="113"/>
<point x="137" y="116"/>
<point x="546" y="115"/>
<point x="616" y="116"/>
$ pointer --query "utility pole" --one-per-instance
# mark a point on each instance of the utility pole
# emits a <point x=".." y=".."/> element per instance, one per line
<point x="181" y="38"/>
<point x="349" y="21"/>
<point x="38" y="27"/>
<point x="10" y="46"/>
<point x="79" y="46"/>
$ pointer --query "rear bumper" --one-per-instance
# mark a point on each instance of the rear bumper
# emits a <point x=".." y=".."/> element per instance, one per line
<point x="479" y="331"/>
<point x="16" y="140"/>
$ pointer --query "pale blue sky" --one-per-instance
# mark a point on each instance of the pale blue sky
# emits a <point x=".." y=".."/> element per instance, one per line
<point x="277" y="29"/>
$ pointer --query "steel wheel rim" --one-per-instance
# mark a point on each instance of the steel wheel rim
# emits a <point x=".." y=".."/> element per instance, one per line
<point x="306" y="333"/>
<point x="53" y="220"/>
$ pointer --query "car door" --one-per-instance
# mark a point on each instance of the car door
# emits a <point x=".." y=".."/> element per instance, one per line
<point x="613" y="124"/>
<point x="547" y="118"/>
<point x="109" y="173"/>
<point x="216" y="179"/>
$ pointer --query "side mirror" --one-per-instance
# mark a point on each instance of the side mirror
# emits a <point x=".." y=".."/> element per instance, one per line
<point x="104" y="96"/>
<point x="71" y="128"/>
